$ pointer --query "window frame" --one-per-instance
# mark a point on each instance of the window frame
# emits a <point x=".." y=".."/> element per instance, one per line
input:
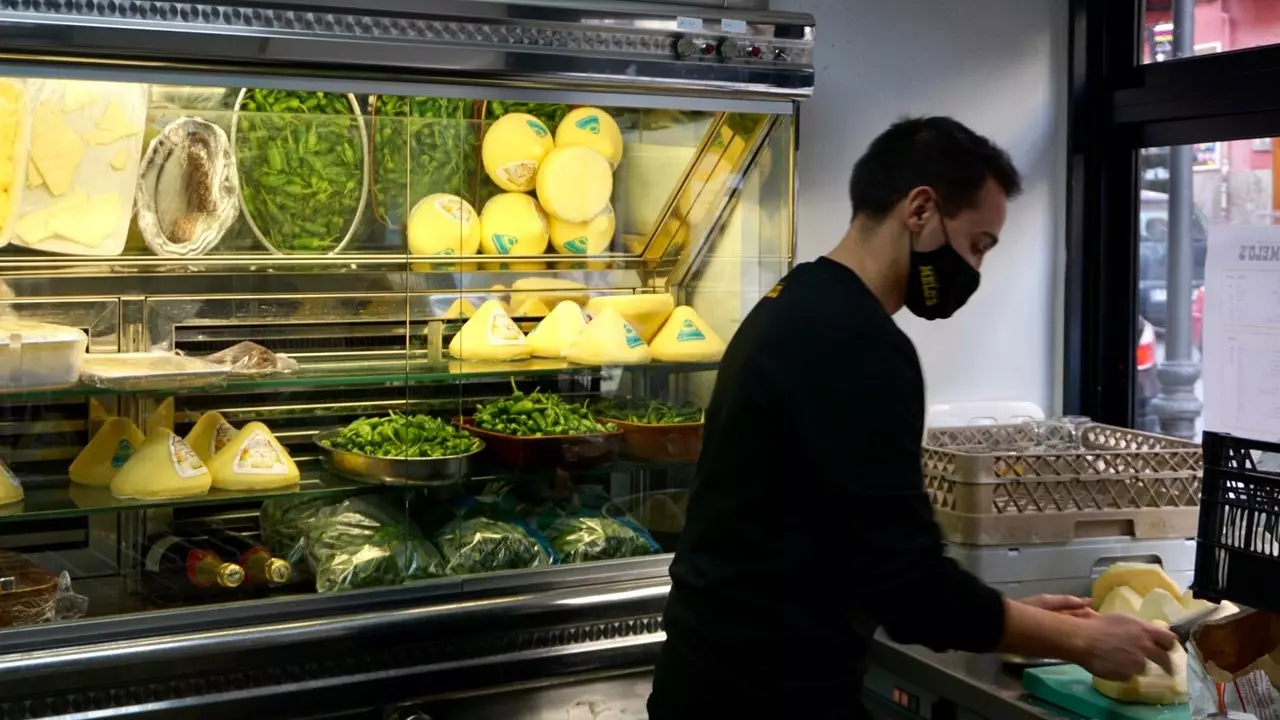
<point x="1118" y="106"/>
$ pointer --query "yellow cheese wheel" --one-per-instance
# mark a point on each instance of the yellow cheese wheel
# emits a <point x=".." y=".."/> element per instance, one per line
<point x="253" y="460"/>
<point x="646" y="312"/>
<point x="1141" y="577"/>
<point x="513" y="149"/>
<point x="164" y="467"/>
<point x="513" y="224"/>
<point x="589" y="238"/>
<point x="490" y="334"/>
<point x="10" y="487"/>
<point x="594" y="128"/>
<point x="608" y="340"/>
<point x="443" y="224"/>
<point x="686" y="337"/>
<point x="108" y="450"/>
<point x="575" y="183"/>
<point x="557" y="331"/>
<point x="210" y="434"/>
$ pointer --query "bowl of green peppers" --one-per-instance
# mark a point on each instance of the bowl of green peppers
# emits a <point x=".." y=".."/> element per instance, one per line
<point x="400" y="450"/>
<point x="655" y="431"/>
<point x="304" y="168"/>
<point x="539" y="431"/>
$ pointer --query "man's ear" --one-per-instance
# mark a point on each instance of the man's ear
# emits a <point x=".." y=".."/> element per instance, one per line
<point x="919" y="204"/>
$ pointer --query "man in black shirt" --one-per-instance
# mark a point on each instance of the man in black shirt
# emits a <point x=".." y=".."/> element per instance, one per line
<point x="808" y="526"/>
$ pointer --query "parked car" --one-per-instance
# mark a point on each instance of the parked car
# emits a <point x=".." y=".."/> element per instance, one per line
<point x="1147" y="385"/>
<point x="1153" y="254"/>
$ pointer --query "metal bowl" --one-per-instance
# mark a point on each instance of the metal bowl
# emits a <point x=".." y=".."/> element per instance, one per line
<point x="397" y="472"/>
<point x="364" y="184"/>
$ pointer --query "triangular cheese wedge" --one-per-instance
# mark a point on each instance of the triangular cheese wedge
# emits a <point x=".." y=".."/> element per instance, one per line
<point x="490" y="334"/>
<point x="108" y="450"/>
<point x="557" y="331"/>
<point x="685" y="337"/>
<point x="164" y="467"/>
<point x="1122" y="600"/>
<point x="532" y="308"/>
<point x="460" y="309"/>
<point x="1162" y="606"/>
<point x="1141" y="577"/>
<point x="210" y="434"/>
<point x="608" y="340"/>
<point x="161" y="418"/>
<point x="10" y="488"/>
<point x="253" y="460"/>
<point x="645" y="312"/>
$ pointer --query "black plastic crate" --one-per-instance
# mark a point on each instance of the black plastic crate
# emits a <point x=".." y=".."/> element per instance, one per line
<point x="1238" y="539"/>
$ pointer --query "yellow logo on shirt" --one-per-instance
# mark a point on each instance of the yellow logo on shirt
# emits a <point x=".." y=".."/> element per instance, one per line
<point x="774" y="291"/>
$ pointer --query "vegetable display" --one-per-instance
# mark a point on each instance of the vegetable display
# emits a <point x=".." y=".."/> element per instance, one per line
<point x="482" y="544"/>
<point x="647" y="412"/>
<point x="301" y="161"/>
<point x="584" y="538"/>
<point x="538" y="414"/>
<point x="284" y="522"/>
<point x="404" y="436"/>
<point x="368" y="542"/>
<point x="422" y="146"/>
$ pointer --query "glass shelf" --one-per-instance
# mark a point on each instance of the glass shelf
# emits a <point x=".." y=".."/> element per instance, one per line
<point x="388" y="373"/>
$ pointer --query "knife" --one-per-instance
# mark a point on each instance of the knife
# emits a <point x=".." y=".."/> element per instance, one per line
<point x="1184" y="626"/>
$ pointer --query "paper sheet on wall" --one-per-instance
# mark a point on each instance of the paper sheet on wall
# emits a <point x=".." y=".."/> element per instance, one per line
<point x="1242" y="332"/>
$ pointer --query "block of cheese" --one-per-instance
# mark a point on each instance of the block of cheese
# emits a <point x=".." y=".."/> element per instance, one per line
<point x="1195" y="605"/>
<point x="534" y="307"/>
<point x="78" y="94"/>
<point x="557" y="331"/>
<point x="513" y="224"/>
<point x="490" y="334"/>
<point x="460" y="309"/>
<point x="33" y="227"/>
<point x="253" y="460"/>
<point x="108" y="450"/>
<point x="88" y="222"/>
<point x="1153" y="686"/>
<point x="164" y="467"/>
<point x="1142" y="577"/>
<point x="1161" y="605"/>
<point x="686" y="337"/>
<point x="646" y="312"/>
<point x="513" y="149"/>
<point x="112" y="126"/>
<point x="593" y="128"/>
<point x="56" y="149"/>
<point x="10" y="487"/>
<point x="575" y="183"/>
<point x="211" y="433"/>
<point x="550" y="290"/>
<point x="608" y="340"/>
<point x="1122" y="600"/>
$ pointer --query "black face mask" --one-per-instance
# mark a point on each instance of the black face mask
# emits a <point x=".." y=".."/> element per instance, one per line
<point x="940" y="281"/>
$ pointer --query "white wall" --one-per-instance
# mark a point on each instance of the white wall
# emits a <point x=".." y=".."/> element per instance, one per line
<point x="1000" y="66"/>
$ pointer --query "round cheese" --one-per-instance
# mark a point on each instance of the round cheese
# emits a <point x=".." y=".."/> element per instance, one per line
<point x="513" y="224"/>
<point x="513" y="149"/>
<point x="594" y="128"/>
<point x="575" y="183"/>
<point x="253" y="460"/>
<point x="589" y="238"/>
<point x="443" y="224"/>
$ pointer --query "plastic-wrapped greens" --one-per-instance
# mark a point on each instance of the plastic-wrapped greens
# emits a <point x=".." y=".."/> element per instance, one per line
<point x="481" y="544"/>
<point x="284" y="522"/>
<point x="366" y="542"/>
<point x="586" y="537"/>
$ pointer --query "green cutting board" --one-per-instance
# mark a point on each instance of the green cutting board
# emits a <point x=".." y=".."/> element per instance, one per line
<point x="1071" y="687"/>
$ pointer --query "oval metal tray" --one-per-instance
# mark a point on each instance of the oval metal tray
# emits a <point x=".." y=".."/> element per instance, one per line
<point x="397" y="472"/>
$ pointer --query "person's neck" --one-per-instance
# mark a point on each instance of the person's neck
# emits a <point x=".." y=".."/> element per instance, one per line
<point x="867" y="250"/>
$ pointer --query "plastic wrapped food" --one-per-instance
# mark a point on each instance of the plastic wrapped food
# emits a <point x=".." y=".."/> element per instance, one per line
<point x="483" y="544"/>
<point x="366" y="542"/>
<point x="249" y="358"/>
<point x="587" y="537"/>
<point x="284" y="522"/>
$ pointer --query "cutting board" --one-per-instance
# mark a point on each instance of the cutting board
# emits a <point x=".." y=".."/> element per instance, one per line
<point x="1071" y="687"/>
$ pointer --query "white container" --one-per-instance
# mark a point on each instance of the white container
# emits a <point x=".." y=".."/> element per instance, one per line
<point x="19" y="154"/>
<point x="40" y="356"/>
<point x="94" y="175"/>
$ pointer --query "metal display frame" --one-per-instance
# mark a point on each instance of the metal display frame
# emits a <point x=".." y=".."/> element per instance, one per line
<point x="304" y="656"/>
<point x="1119" y="105"/>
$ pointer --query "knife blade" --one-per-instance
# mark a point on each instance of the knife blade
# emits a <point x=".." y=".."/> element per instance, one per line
<point x="1188" y="623"/>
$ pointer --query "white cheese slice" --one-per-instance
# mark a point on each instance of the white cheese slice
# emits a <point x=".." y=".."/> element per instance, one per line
<point x="78" y="94"/>
<point x="121" y="160"/>
<point x="88" y="223"/>
<point x="112" y="126"/>
<point x="56" y="150"/>
<point x="33" y="227"/>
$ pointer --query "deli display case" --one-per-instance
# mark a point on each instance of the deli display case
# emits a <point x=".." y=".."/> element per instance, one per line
<point x="355" y="356"/>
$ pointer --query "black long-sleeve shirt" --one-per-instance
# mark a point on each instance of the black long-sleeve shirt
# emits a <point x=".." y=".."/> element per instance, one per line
<point x="808" y="525"/>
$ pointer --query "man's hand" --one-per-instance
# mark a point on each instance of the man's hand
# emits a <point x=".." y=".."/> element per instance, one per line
<point x="1117" y="647"/>
<point x="1064" y="604"/>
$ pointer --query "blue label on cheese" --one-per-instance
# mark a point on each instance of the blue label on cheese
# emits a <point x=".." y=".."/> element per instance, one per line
<point x="503" y="243"/>
<point x="538" y="128"/>
<point x="124" y="451"/>
<point x="577" y="246"/>
<point x="590" y="123"/>
<point x="689" y="332"/>
<point x="633" y="339"/>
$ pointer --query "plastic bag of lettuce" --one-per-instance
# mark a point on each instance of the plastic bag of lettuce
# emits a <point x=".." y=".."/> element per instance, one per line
<point x="588" y="535"/>
<point x="367" y="542"/>
<point x="284" y="522"/>
<point x="484" y="534"/>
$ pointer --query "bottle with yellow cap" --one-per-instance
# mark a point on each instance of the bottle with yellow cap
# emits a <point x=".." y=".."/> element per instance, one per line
<point x="176" y="567"/>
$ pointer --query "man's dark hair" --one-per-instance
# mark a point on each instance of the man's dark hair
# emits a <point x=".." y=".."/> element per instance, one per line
<point x="937" y="152"/>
